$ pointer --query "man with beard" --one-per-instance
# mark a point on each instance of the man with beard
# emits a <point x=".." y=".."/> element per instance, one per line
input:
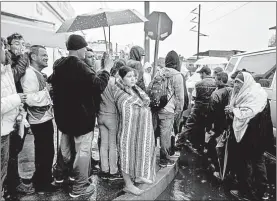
<point x="40" y="115"/>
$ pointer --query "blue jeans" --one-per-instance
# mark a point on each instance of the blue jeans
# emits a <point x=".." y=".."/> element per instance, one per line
<point x="5" y="145"/>
<point x="163" y="128"/>
<point x="108" y="127"/>
<point x="76" y="156"/>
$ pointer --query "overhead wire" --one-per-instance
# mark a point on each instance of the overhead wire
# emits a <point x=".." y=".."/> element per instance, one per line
<point x="224" y="3"/>
<point x="229" y="13"/>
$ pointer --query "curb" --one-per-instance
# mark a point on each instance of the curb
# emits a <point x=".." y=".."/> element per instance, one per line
<point x="151" y="192"/>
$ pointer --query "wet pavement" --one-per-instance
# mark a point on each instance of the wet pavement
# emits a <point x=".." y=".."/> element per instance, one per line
<point x="193" y="182"/>
<point x="196" y="182"/>
<point x="106" y="190"/>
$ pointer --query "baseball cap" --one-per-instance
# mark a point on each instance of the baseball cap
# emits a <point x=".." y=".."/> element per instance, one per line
<point x="206" y="70"/>
<point x="218" y="70"/>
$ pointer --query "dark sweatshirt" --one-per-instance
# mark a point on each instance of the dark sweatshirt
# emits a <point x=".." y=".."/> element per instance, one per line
<point x="75" y="92"/>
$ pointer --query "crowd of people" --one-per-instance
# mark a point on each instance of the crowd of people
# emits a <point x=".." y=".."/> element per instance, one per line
<point x="134" y="111"/>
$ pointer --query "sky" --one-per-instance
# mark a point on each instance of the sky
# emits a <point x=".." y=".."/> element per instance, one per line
<point x="229" y="25"/>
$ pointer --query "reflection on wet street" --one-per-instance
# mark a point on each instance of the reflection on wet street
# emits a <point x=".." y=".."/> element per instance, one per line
<point x="196" y="182"/>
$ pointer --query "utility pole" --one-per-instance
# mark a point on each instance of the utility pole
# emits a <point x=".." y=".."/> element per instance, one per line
<point x="146" y="39"/>
<point x="198" y="27"/>
<point x="198" y="33"/>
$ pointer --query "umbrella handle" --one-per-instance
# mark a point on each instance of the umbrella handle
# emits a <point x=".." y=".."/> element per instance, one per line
<point x="105" y="38"/>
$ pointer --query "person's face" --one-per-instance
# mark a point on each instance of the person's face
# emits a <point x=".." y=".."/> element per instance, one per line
<point x="149" y="69"/>
<point x="130" y="79"/>
<point x="237" y="86"/>
<point x="3" y="54"/>
<point x="202" y="75"/>
<point x="89" y="58"/>
<point x="218" y="82"/>
<point x="17" y="46"/>
<point x="42" y="58"/>
<point x="214" y="74"/>
<point x="82" y="53"/>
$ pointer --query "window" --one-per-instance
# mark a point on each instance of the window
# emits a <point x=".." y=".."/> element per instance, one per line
<point x="231" y="65"/>
<point x="262" y="67"/>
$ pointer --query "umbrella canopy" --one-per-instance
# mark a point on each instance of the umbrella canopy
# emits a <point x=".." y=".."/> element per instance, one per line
<point x="101" y="18"/>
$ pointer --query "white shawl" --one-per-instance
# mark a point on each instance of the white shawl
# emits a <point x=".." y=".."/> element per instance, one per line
<point x="247" y="103"/>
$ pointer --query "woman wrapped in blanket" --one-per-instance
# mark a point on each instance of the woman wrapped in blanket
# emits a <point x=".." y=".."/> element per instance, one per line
<point x="136" y="135"/>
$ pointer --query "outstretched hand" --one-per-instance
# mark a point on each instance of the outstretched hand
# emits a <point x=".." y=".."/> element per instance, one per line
<point x="108" y="63"/>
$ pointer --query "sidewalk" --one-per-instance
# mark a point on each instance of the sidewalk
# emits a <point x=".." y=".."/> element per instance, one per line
<point x="105" y="189"/>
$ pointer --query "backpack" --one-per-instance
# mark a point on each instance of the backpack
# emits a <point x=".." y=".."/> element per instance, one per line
<point x="157" y="92"/>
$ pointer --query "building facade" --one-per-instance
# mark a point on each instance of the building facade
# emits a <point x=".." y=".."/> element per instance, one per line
<point x="38" y="22"/>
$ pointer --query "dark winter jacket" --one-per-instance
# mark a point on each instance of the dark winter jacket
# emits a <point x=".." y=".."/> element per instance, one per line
<point x="75" y="88"/>
<point x="219" y="100"/>
<point x="135" y="62"/>
<point x="19" y="64"/>
<point x="204" y="90"/>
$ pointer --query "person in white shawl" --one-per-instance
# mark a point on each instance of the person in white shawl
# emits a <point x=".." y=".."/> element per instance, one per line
<point x="252" y="127"/>
<point x="147" y="73"/>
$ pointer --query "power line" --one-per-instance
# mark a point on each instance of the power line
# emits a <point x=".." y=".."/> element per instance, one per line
<point x="215" y="8"/>
<point x="228" y="13"/>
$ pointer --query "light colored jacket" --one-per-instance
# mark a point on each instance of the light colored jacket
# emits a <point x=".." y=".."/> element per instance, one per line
<point x="176" y="88"/>
<point x="38" y="98"/>
<point x="107" y="104"/>
<point x="10" y="101"/>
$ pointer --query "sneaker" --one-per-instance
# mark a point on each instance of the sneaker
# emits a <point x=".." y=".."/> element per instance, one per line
<point x="239" y="195"/>
<point x="25" y="188"/>
<point x="89" y="191"/>
<point x="46" y="189"/>
<point x="115" y="176"/>
<point x="104" y="175"/>
<point x="265" y="196"/>
<point x="59" y="180"/>
<point x="72" y="179"/>
<point x="167" y="163"/>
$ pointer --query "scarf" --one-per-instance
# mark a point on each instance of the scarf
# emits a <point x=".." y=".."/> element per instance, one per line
<point x="247" y="103"/>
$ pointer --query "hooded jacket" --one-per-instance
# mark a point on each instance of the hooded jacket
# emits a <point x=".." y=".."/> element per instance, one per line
<point x="134" y="62"/>
<point x="172" y="61"/>
<point x="75" y="87"/>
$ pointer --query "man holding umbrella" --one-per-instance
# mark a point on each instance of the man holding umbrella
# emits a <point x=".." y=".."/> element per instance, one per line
<point x="75" y="88"/>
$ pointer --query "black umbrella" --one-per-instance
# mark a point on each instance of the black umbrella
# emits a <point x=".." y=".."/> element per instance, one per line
<point x="102" y="18"/>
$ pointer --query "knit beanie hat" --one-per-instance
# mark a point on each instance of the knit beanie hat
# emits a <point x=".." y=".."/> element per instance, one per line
<point x="124" y="70"/>
<point x="75" y="42"/>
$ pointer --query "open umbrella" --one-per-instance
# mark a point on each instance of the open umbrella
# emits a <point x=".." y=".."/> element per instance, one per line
<point x="102" y="18"/>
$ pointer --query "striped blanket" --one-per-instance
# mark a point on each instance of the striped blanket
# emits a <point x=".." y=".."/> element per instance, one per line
<point x="136" y="135"/>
